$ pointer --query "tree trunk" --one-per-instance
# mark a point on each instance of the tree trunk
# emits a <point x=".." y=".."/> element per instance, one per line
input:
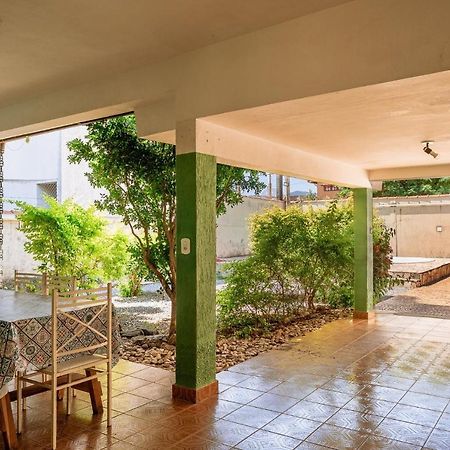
<point x="173" y="319"/>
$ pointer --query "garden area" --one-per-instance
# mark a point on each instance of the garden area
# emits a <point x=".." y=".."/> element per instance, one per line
<point x="298" y="277"/>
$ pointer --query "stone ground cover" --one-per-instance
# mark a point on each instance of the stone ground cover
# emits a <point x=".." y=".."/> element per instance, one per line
<point x="154" y="350"/>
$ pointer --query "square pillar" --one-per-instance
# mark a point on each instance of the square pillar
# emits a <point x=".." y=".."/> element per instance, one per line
<point x="363" y="208"/>
<point x="196" y="277"/>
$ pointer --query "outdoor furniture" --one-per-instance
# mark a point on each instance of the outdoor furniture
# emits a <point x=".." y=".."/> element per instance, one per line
<point x="68" y="361"/>
<point x="24" y="280"/>
<point x="58" y="283"/>
<point x="6" y="419"/>
<point x="43" y="283"/>
<point x="26" y="328"/>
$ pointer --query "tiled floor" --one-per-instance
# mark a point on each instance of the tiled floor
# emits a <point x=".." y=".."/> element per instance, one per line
<point x="383" y="384"/>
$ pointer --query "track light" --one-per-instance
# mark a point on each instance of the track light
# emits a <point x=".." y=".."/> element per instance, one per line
<point x="428" y="150"/>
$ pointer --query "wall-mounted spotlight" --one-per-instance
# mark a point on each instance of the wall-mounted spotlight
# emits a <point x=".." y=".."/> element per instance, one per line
<point x="428" y="150"/>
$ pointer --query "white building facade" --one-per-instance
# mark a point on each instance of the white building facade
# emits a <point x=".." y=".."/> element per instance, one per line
<point x="39" y="166"/>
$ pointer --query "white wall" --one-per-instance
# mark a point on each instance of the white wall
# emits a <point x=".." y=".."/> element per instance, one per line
<point x="43" y="158"/>
<point x="73" y="182"/>
<point x="14" y="255"/>
<point x="34" y="159"/>
<point x="414" y="221"/>
<point x="232" y="227"/>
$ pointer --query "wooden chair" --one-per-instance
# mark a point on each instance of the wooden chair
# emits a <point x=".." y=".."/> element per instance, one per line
<point x="43" y="283"/>
<point x="24" y="280"/>
<point x="59" y="283"/>
<point x="75" y="366"/>
<point x="6" y="420"/>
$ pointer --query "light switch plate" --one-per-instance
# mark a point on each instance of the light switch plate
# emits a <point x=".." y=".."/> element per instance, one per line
<point x="185" y="246"/>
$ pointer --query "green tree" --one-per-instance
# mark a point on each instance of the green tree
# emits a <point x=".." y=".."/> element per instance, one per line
<point x="405" y="188"/>
<point x="137" y="177"/>
<point x="67" y="239"/>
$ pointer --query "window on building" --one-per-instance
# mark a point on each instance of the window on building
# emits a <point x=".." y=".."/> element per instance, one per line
<point x="46" y="190"/>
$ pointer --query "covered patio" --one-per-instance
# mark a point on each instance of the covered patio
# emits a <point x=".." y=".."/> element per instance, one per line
<point x="336" y="91"/>
<point x="351" y="385"/>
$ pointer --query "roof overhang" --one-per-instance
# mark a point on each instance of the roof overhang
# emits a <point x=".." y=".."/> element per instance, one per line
<point x="354" y="86"/>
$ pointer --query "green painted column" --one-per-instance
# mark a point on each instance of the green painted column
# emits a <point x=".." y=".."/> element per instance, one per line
<point x="363" y="253"/>
<point x="196" y="277"/>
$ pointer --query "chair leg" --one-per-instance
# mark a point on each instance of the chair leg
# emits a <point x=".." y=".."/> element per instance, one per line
<point x="24" y="400"/>
<point x="7" y="423"/>
<point x="20" y="408"/>
<point x="69" y="397"/>
<point x="109" y="394"/>
<point x="54" y="410"/>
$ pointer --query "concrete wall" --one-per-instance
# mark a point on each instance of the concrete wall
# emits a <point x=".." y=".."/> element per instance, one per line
<point x="421" y="226"/>
<point x="415" y="222"/>
<point x="232" y="227"/>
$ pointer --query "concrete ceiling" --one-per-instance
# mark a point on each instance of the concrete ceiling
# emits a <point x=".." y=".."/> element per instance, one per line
<point x="373" y="127"/>
<point x="47" y="44"/>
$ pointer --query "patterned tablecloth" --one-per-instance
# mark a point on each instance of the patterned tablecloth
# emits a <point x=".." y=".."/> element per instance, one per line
<point x="25" y="332"/>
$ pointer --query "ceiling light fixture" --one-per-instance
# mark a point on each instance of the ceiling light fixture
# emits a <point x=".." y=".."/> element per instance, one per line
<point x="428" y="150"/>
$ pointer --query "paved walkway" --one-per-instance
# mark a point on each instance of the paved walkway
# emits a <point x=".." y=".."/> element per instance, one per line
<point x="382" y="384"/>
<point x="426" y="301"/>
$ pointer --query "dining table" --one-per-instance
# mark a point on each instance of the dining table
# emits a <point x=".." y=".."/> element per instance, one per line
<point x="26" y="343"/>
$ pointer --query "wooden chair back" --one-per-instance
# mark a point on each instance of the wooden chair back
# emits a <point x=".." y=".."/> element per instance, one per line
<point x="44" y="283"/>
<point x="59" y="283"/>
<point x="65" y="305"/>
<point x="26" y="281"/>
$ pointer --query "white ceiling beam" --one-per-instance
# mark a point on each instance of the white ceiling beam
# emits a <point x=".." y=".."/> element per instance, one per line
<point x="155" y="117"/>
<point x="410" y="173"/>
<point x="243" y="150"/>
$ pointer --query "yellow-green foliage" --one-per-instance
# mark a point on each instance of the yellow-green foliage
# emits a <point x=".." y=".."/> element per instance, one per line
<point x="67" y="239"/>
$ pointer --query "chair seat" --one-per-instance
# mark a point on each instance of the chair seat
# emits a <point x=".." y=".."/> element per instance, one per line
<point x="78" y="363"/>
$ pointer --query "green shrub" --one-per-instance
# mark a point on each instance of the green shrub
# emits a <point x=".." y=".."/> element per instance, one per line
<point x="247" y="301"/>
<point x="69" y="240"/>
<point x="299" y="257"/>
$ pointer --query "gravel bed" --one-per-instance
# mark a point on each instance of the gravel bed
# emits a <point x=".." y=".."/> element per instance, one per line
<point x="149" y="311"/>
<point x="155" y="351"/>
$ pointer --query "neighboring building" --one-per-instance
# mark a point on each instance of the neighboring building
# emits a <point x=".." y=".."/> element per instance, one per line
<point x="38" y="166"/>
<point x="327" y="191"/>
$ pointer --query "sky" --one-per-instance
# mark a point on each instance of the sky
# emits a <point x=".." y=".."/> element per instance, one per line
<point x="296" y="185"/>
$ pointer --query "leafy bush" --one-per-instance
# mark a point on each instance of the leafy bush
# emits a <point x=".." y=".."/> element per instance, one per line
<point x="67" y="239"/>
<point x="299" y="257"/>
